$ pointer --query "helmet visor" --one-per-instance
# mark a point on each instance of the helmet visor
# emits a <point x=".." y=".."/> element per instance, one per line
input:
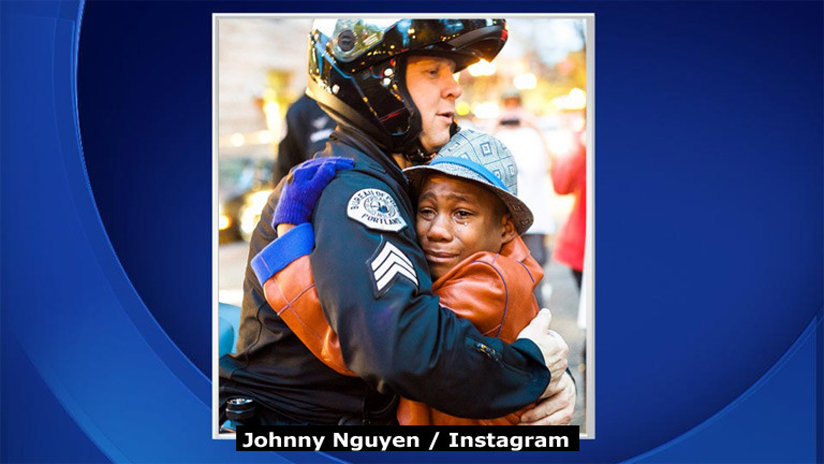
<point x="360" y="42"/>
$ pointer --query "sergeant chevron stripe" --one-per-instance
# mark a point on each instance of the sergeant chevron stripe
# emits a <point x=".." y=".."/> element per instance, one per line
<point x="389" y="263"/>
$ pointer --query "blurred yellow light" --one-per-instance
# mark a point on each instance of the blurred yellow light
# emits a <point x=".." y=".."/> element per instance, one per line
<point x="576" y="99"/>
<point x="270" y="107"/>
<point x="525" y="81"/>
<point x="271" y="110"/>
<point x="578" y="96"/>
<point x="487" y="110"/>
<point x="462" y="108"/>
<point x="258" y="199"/>
<point x="224" y="222"/>
<point x="250" y="214"/>
<point x="265" y="136"/>
<point x="482" y="68"/>
<point x="237" y="139"/>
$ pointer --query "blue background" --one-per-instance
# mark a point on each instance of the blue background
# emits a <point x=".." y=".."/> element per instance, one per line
<point x="709" y="204"/>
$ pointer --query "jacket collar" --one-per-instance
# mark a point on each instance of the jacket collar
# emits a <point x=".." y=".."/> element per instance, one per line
<point x="515" y="250"/>
<point x="358" y="140"/>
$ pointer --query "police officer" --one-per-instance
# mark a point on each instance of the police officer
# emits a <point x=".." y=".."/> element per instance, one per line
<point x="307" y="129"/>
<point x="389" y="85"/>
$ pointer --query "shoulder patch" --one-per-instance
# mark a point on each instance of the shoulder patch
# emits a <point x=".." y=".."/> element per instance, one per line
<point x="375" y="209"/>
<point x="387" y="265"/>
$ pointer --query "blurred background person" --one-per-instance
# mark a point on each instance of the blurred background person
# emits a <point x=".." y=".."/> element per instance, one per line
<point x="517" y="131"/>
<point x="307" y="130"/>
<point x="569" y="177"/>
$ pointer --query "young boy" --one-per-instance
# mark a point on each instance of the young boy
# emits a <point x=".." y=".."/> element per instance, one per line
<point x="468" y="224"/>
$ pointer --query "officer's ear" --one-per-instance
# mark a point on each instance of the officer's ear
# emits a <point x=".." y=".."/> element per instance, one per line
<point x="508" y="232"/>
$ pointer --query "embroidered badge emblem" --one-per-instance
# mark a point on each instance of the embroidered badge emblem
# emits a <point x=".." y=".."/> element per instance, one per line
<point x="376" y="210"/>
<point x="387" y="265"/>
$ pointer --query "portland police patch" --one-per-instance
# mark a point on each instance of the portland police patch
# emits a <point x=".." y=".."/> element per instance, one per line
<point x="375" y="209"/>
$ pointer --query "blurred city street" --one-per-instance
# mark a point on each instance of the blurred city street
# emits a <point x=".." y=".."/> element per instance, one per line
<point x="564" y="306"/>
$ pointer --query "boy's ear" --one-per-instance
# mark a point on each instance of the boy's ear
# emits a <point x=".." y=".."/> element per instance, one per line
<point x="509" y="231"/>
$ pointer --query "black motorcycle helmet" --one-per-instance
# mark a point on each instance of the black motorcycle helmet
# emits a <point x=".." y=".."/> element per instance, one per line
<point x="357" y="70"/>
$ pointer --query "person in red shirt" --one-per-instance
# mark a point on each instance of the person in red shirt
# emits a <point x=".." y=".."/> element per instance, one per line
<point x="569" y="177"/>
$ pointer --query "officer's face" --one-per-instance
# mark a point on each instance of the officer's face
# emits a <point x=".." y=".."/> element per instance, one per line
<point x="457" y="218"/>
<point x="433" y="88"/>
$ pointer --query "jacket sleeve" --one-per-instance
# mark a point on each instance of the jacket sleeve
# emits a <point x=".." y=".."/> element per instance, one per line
<point x="393" y="332"/>
<point x="493" y="292"/>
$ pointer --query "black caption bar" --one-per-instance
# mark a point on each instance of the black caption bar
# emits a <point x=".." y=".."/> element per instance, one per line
<point x="426" y="438"/>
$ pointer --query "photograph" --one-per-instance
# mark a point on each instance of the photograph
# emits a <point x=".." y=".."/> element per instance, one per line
<point x="397" y="199"/>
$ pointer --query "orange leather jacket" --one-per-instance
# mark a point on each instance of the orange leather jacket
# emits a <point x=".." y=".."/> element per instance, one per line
<point x="492" y="290"/>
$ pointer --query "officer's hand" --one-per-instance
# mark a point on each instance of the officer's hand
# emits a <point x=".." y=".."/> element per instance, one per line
<point x="552" y="346"/>
<point x="303" y="186"/>
<point x="556" y="409"/>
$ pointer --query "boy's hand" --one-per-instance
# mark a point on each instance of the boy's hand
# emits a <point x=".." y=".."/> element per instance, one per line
<point x="303" y="186"/>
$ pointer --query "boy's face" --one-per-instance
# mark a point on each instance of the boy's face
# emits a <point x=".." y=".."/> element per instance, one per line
<point x="433" y="89"/>
<point x="457" y="218"/>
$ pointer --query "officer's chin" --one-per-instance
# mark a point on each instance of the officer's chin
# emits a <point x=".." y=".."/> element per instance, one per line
<point x="433" y="143"/>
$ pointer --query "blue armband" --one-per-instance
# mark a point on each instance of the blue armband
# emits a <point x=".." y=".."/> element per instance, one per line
<point x="282" y="251"/>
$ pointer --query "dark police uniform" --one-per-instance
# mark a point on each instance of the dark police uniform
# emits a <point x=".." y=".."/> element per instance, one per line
<point x="374" y="285"/>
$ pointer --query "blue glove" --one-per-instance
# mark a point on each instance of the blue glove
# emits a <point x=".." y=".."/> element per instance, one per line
<point x="303" y="186"/>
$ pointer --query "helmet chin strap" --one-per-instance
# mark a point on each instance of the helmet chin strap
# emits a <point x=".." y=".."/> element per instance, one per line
<point x="419" y="155"/>
<point x="412" y="150"/>
<point x="454" y="128"/>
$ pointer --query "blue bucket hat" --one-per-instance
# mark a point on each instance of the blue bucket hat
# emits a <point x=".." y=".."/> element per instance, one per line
<point x="483" y="159"/>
